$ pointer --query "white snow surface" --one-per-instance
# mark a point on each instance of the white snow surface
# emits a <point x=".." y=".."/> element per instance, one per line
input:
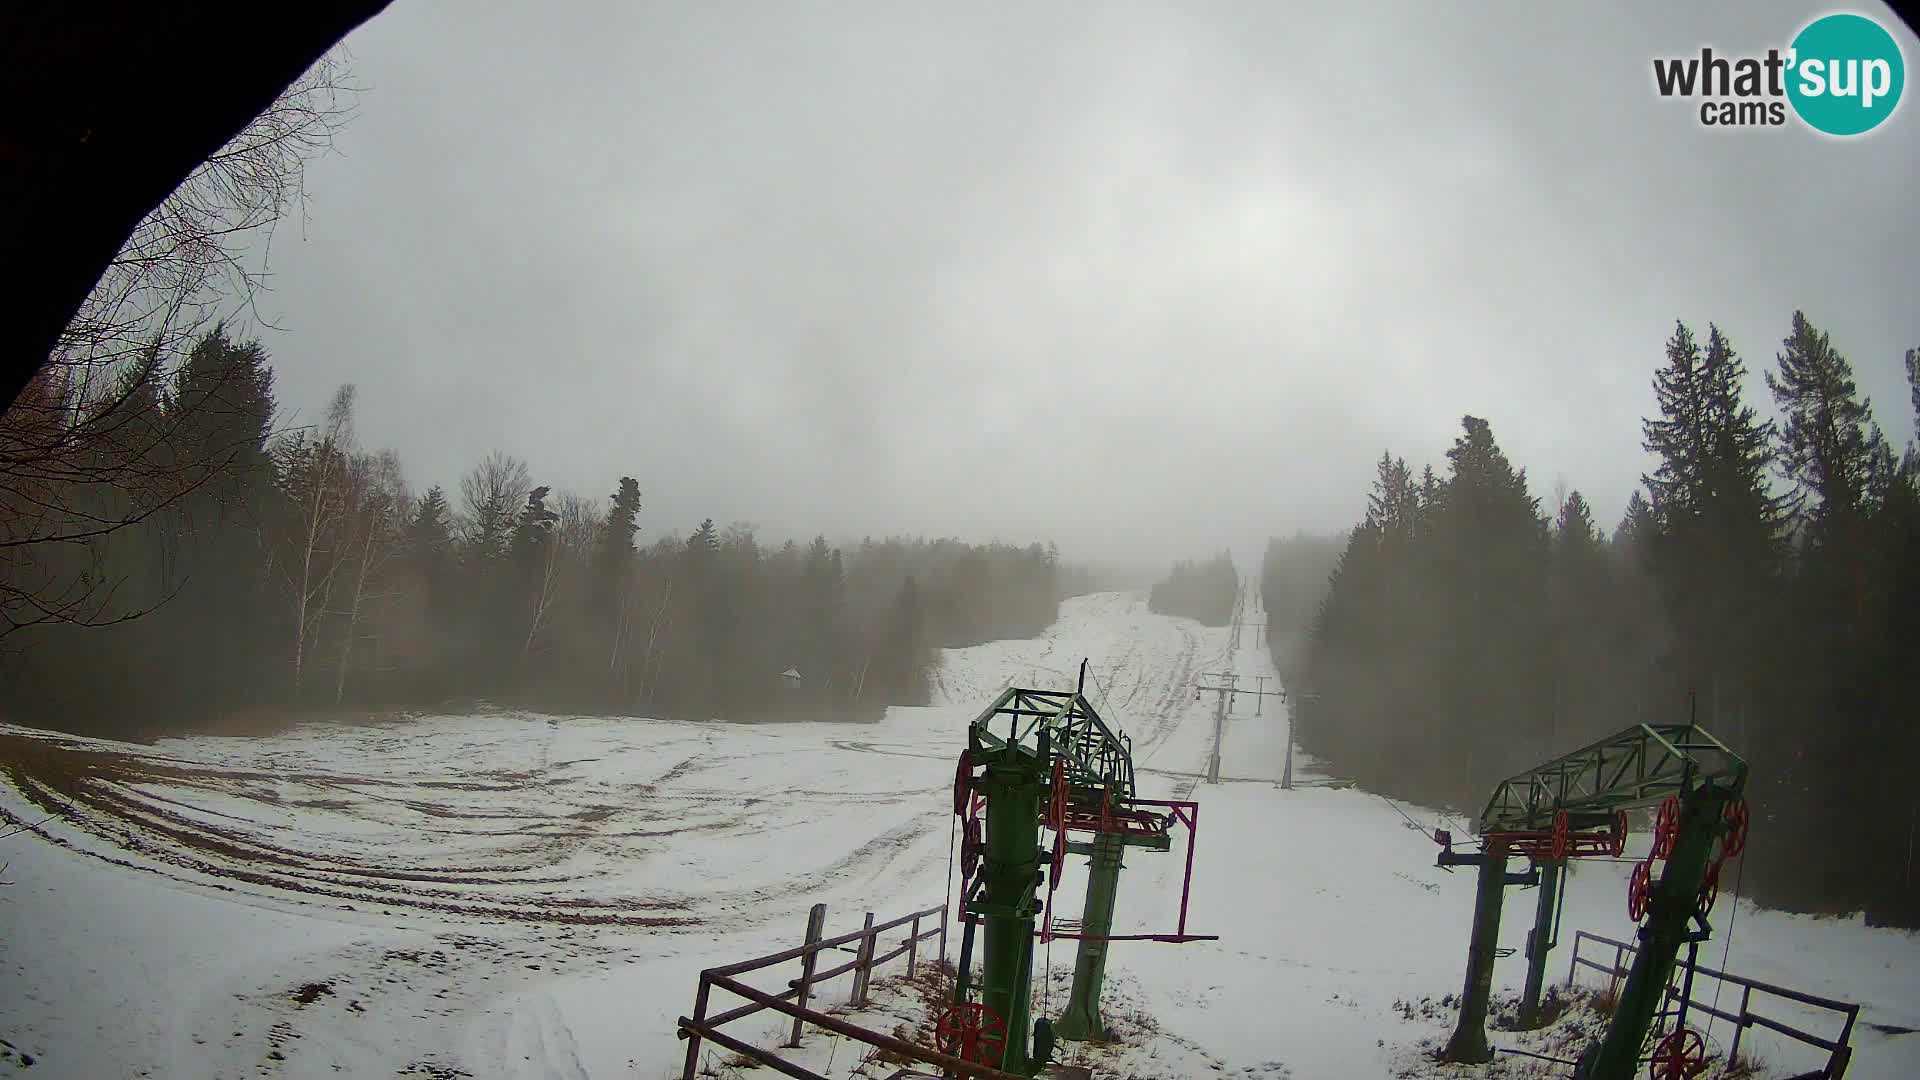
<point x="519" y="895"/>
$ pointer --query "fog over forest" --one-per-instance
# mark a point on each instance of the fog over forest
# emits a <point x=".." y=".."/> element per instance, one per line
<point x="724" y="362"/>
<point x="1139" y="283"/>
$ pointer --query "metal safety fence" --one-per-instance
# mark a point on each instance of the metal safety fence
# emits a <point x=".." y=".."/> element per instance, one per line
<point x="1742" y="1016"/>
<point x="793" y="1001"/>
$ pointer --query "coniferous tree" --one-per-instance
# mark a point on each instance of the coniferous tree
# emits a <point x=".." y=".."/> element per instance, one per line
<point x="223" y="394"/>
<point x="428" y="604"/>
<point x="1417" y="679"/>
<point x="613" y="607"/>
<point x="1836" y="458"/>
<point x="1203" y="591"/>
<point x="1579" y="590"/>
<point x="1714" y="546"/>
<point x="535" y="552"/>
<point x="1827" y="441"/>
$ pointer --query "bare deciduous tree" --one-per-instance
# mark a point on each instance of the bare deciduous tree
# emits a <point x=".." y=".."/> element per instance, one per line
<point x="203" y="249"/>
<point x="87" y="448"/>
<point x="491" y="494"/>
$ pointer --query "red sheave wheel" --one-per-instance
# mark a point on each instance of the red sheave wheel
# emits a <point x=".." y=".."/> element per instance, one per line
<point x="1639" y="890"/>
<point x="1709" y="889"/>
<point x="1561" y="835"/>
<point x="1618" y="840"/>
<point x="971" y="848"/>
<point x="971" y="1032"/>
<point x="1057" y="808"/>
<point x="962" y="782"/>
<point x="1735" y="840"/>
<point x="1682" y="1054"/>
<point x="1666" y="827"/>
<point x="1059" y="860"/>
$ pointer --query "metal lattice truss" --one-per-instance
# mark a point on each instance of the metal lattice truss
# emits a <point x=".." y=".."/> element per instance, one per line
<point x="1097" y="757"/>
<point x="1638" y="767"/>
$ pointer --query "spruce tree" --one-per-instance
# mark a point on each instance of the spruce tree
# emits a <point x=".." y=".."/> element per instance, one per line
<point x="1678" y="437"/>
<point x="623" y="522"/>
<point x="1825" y="445"/>
<point x="1490" y="568"/>
<point x="1637" y="524"/>
<point x="1913" y="387"/>
<point x="1713" y="546"/>
<point x="429" y="539"/>
<point x="1578" y="595"/>
<point x="1835" y="457"/>
<point x="611" y="601"/>
<point x="221" y="417"/>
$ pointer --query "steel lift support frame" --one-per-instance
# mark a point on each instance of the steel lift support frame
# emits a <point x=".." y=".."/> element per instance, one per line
<point x="1046" y="758"/>
<point x="1576" y="806"/>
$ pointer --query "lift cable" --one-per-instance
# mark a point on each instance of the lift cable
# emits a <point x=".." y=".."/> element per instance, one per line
<point x="1411" y="824"/>
<point x="1531" y="1054"/>
<point x="1047" y="987"/>
<point x="1732" y="914"/>
<point x="1105" y="702"/>
<point x="961" y="901"/>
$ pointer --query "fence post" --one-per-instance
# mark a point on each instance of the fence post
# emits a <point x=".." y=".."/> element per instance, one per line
<point x="1746" y="995"/>
<point x="693" y="1037"/>
<point x="863" y="965"/>
<point x="1574" y="960"/>
<point x="943" y="933"/>
<point x="913" y="946"/>
<point x="816" y="922"/>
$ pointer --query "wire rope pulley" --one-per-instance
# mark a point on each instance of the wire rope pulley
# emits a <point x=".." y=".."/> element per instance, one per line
<point x="1734" y="840"/>
<point x="1666" y="827"/>
<point x="962" y="782"/>
<point x="1709" y="889"/>
<point x="1679" y="1056"/>
<point x="1057" y="803"/>
<point x="972" y="1032"/>
<point x="1639" y="890"/>
<point x="1057" y="821"/>
<point x="972" y="847"/>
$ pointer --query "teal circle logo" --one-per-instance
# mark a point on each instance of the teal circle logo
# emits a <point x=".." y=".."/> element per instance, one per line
<point x="1846" y="74"/>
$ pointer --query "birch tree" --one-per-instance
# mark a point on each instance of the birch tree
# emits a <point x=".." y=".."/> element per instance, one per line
<point x="313" y="471"/>
<point x="564" y="547"/>
<point x="377" y="502"/>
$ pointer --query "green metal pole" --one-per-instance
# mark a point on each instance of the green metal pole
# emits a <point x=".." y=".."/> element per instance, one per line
<point x="1082" y="1017"/>
<point x="1010" y="871"/>
<point x="1668" y="912"/>
<point x="1469" y="1043"/>
<point x="1541" y="940"/>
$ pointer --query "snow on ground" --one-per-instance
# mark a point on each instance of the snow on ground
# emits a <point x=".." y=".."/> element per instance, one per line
<point x="518" y="895"/>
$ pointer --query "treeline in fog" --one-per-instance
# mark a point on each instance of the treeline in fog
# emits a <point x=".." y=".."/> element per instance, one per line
<point x="1293" y="582"/>
<point x="1772" y="570"/>
<point x="171" y="559"/>
<point x="1198" y="590"/>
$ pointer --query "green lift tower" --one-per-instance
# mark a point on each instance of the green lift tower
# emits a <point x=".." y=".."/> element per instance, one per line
<point x="1043" y="759"/>
<point x="1576" y="806"/>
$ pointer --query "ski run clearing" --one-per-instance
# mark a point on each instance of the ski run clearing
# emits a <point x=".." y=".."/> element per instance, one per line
<point x="518" y="895"/>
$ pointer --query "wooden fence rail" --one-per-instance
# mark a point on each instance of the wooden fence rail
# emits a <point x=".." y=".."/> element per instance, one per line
<point x="793" y="1000"/>
<point x="1839" y="1052"/>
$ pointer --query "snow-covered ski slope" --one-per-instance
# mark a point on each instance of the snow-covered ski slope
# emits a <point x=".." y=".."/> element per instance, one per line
<point x="513" y="895"/>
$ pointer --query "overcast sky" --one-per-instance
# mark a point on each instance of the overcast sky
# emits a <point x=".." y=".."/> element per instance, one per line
<point x="1141" y="278"/>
